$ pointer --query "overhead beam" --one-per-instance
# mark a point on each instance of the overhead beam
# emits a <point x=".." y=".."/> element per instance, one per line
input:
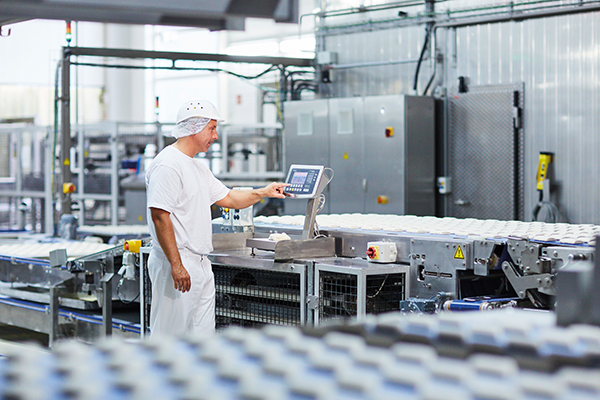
<point x="175" y="56"/>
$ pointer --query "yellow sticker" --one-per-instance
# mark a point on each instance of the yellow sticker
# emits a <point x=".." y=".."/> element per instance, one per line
<point x="345" y="156"/>
<point x="140" y="218"/>
<point x="459" y="253"/>
<point x="67" y="162"/>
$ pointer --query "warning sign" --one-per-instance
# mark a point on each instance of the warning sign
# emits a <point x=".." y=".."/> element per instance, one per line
<point x="459" y="253"/>
<point x="345" y="156"/>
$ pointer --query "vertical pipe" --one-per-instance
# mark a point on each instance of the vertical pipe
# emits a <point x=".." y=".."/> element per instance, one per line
<point x="114" y="176"/>
<point x="48" y="209"/>
<point x="66" y="128"/>
<point x="516" y="157"/>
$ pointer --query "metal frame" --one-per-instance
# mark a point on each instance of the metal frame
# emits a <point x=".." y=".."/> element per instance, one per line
<point x="18" y="193"/>
<point x="113" y="132"/>
<point x="298" y="267"/>
<point x="65" y="97"/>
<point x="361" y="269"/>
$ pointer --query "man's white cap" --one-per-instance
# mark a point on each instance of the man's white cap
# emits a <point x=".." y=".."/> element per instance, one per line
<point x="198" y="108"/>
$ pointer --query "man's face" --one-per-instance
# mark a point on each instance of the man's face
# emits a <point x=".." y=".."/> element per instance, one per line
<point x="207" y="136"/>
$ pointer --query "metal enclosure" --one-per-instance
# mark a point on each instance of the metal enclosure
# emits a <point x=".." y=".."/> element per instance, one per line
<point x="400" y="167"/>
<point x="381" y="148"/>
<point x="485" y="151"/>
<point x="346" y="123"/>
<point x="305" y="141"/>
<point x="348" y="288"/>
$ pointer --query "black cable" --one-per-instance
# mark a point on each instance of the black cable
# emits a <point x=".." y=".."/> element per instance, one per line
<point x="119" y="295"/>
<point x="120" y="66"/>
<point x="423" y="49"/>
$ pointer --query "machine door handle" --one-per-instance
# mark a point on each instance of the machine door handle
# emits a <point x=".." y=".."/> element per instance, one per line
<point x="461" y="202"/>
<point x="364" y="185"/>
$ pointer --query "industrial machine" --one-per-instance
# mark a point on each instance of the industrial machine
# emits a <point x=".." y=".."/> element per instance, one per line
<point x="70" y="289"/>
<point x="381" y="147"/>
<point x="352" y="265"/>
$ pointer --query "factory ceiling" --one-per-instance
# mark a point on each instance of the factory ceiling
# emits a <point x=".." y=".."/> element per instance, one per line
<point x="211" y="14"/>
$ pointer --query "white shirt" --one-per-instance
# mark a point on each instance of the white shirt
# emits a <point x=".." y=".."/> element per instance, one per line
<point x="186" y="188"/>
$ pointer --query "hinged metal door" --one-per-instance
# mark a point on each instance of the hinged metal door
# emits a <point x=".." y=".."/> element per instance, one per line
<point x="485" y="150"/>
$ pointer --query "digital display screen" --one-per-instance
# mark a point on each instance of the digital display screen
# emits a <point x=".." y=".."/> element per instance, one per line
<point x="303" y="180"/>
<point x="299" y="177"/>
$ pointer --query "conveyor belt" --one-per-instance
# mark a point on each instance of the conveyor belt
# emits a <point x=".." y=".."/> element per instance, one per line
<point x="69" y="314"/>
<point x="284" y="363"/>
<point x="32" y="250"/>
<point x="494" y="229"/>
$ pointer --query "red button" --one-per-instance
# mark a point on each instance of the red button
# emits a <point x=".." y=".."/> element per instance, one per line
<point x="371" y="252"/>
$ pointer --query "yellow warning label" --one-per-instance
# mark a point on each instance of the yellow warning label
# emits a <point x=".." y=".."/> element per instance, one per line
<point x="459" y="253"/>
<point x="345" y="156"/>
<point x="67" y="162"/>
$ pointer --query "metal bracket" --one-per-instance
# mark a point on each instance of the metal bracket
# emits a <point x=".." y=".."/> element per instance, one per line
<point x="527" y="256"/>
<point x="483" y="259"/>
<point x="540" y="282"/>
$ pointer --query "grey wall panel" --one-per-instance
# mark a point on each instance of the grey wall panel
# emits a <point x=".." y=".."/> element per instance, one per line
<point x="379" y="46"/>
<point x="557" y="60"/>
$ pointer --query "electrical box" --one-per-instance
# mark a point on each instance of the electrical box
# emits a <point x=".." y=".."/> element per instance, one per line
<point x="444" y="184"/>
<point x="369" y="142"/>
<point x="382" y="252"/>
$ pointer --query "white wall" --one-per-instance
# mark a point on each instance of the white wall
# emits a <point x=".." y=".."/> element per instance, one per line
<point x="30" y="54"/>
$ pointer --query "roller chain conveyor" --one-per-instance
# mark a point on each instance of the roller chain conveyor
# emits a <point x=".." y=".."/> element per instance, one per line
<point x="502" y="354"/>
<point x="369" y="311"/>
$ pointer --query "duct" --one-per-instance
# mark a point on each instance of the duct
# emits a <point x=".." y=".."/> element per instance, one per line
<point x="196" y="13"/>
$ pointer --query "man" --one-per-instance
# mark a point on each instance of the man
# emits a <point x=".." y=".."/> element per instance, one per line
<point x="180" y="192"/>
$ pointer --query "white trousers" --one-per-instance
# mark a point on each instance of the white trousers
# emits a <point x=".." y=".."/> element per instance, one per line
<point x="176" y="313"/>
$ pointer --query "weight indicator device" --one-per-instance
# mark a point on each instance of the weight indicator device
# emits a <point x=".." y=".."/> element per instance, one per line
<point x="308" y="182"/>
<point x="304" y="181"/>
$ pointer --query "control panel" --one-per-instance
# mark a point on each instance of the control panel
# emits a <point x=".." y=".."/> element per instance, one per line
<point x="303" y="180"/>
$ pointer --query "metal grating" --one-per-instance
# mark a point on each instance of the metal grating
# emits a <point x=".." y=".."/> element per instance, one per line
<point x="486" y="154"/>
<point x="338" y="294"/>
<point x="252" y="298"/>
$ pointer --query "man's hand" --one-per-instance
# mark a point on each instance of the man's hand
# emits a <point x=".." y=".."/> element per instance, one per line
<point x="275" y="189"/>
<point x="181" y="278"/>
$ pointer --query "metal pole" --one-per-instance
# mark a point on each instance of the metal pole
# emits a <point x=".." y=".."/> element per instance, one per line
<point x="107" y="295"/>
<point x="53" y="320"/>
<point x="66" y="128"/>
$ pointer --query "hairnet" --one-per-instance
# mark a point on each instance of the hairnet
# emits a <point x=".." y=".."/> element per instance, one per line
<point x="189" y="127"/>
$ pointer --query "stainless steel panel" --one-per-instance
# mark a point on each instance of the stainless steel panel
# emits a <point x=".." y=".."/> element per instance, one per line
<point x="419" y="189"/>
<point x="400" y="167"/>
<point x="306" y="125"/>
<point x="482" y="146"/>
<point x="385" y="156"/>
<point x="553" y="57"/>
<point x="346" y="124"/>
